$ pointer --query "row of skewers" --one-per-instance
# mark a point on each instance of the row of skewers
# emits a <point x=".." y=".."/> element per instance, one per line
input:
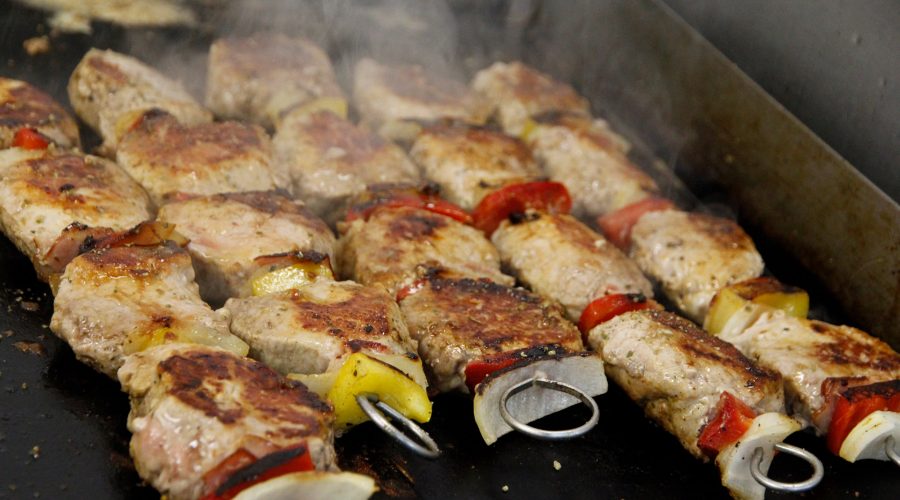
<point x="127" y="301"/>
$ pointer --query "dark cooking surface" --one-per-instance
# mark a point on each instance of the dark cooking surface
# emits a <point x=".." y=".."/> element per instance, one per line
<point x="62" y="426"/>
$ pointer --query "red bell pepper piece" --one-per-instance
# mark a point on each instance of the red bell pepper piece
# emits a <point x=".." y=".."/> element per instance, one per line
<point x="242" y="460"/>
<point x="477" y="370"/>
<point x="414" y="200"/>
<point x="731" y="421"/>
<point x="410" y="289"/>
<point x="857" y="403"/>
<point x="609" y="306"/>
<point x="544" y="196"/>
<point x="617" y="225"/>
<point x="29" y="138"/>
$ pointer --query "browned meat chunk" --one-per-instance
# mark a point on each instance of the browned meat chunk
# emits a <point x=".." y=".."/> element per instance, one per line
<point x="387" y="249"/>
<point x="677" y="372"/>
<point x="394" y="99"/>
<point x="314" y="328"/>
<point x="116" y="301"/>
<point x="228" y="231"/>
<point x="562" y="259"/>
<point x="458" y="320"/>
<point x="590" y="159"/>
<point x="109" y="91"/>
<point x="329" y="160"/>
<point x="468" y="162"/>
<point x="165" y="156"/>
<point x="261" y="77"/>
<point x="193" y="407"/>
<point x="693" y="256"/>
<point x="24" y="106"/>
<point x="814" y="357"/>
<point x="44" y="192"/>
<point x="517" y="92"/>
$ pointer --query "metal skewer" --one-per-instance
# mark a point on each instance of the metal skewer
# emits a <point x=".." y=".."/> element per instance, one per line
<point x="370" y="405"/>
<point x="891" y="450"/>
<point x="556" y="386"/>
<point x="763" y="479"/>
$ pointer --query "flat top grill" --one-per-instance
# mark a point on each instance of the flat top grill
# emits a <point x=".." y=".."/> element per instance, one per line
<point x="62" y="425"/>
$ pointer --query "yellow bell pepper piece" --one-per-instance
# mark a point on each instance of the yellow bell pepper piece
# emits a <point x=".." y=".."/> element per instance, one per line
<point x="367" y="376"/>
<point x="528" y="128"/>
<point x="290" y="277"/>
<point x="752" y="296"/>
<point x="336" y="105"/>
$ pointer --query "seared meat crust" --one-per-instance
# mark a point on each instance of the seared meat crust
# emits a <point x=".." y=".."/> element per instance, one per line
<point x="42" y="192"/>
<point x="470" y="162"/>
<point x="193" y="406"/>
<point x="165" y="156"/>
<point x="314" y="328"/>
<point x="458" y="320"/>
<point x="109" y="91"/>
<point x="24" y="106"/>
<point x="590" y="160"/>
<point x="386" y="96"/>
<point x="677" y="372"/>
<point x="561" y="258"/>
<point x="515" y="92"/>
<point x="228" y="231"/>
<point x="387" y="249"/>
<point x="329" y="160"/>
<point x="693" y="256"/>
<point x="261" y="77"/>
<point x="112" y="300"/>
<point x="813" y="355"/>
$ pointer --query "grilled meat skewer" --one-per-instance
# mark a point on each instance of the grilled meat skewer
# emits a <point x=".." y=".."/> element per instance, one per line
<point x="471" y="329"/>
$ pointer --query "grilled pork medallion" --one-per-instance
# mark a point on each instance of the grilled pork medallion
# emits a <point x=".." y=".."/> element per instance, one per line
<point x="165" y="156"/>
<point x="590" y="159"/>
<point x="394" y="100"/>
<point x="49" y="198"/>
<point x="200" y="413"/>
<point x="228" y="232"/>
<point x="329" y="160"/>
<point x="259" y="78"/>
<point x="693" y="256"/>
<point x="314" y="328"/>
<point x="24" y="106"/>
<point x="116" y="301"/>
<point x="677" y="372"/>
<point x="460" y="320"/>
<point x="516" y="92"/>
<point x="109" y="91"/>
<point x="558" y="257"/>
<point x="469" y="162"/>
<point x="387" y="249"/>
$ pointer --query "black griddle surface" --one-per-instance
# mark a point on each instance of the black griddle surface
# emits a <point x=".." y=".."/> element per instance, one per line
<point x="62" y="425"/>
